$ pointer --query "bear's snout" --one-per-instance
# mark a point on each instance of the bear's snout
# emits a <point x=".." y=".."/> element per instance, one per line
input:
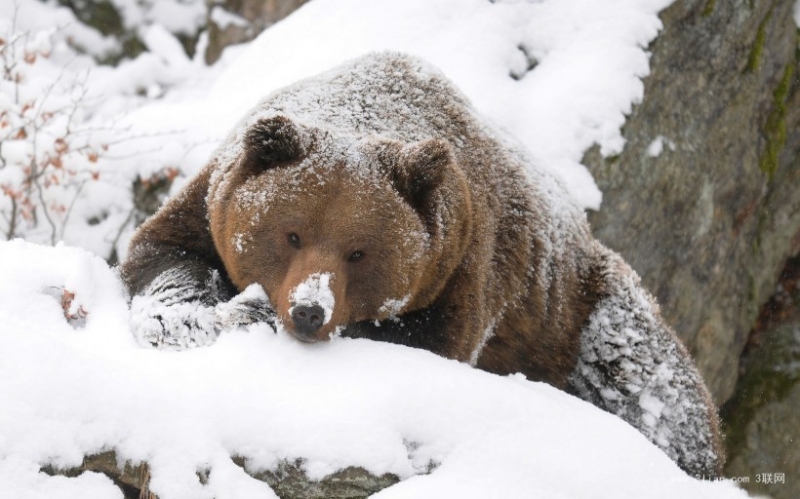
<point x="307" y="320"/>
<point x="307" y="309"/>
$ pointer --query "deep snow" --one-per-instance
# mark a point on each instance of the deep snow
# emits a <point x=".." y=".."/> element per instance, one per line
<point x="68" y="392"/>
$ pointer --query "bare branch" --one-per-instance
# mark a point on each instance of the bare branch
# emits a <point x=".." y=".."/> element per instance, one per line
<point x="69" y="210"/>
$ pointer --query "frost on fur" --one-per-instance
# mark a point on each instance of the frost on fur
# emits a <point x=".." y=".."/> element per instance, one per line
<point x="632" y="365"/>
<point x="248" y="307"/>
<point x="174" y="313"/>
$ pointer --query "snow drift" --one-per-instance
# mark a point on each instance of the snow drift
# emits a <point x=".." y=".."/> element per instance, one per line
<point x="69" y="390"/>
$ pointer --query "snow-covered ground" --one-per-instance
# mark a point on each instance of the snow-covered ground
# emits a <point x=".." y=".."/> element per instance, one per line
<point x="73" y="388"/>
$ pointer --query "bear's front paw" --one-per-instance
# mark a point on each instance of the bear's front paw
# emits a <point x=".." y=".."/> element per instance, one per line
<point x="176" y="326"/>
<point x="251" y="306"/>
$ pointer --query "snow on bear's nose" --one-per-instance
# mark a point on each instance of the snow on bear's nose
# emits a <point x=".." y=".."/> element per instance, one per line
<point x="312" y="305"/>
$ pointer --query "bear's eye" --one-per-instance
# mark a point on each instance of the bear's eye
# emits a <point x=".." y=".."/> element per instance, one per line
<point x="355" y="256"/>
<point x="294" y="240"/>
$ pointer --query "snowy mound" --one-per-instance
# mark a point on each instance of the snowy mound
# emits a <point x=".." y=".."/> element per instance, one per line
<point x="75" y="387"/>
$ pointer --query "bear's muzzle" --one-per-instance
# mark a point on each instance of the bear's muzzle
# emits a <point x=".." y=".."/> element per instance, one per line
<point x="307" y="320"/>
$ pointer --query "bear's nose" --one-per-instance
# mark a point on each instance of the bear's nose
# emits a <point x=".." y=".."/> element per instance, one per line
<point x="307" y="318"/>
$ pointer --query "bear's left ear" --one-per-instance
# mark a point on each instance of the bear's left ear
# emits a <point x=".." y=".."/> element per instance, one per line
<point x="272" y="142"/>
<point x="427" y="175"/>
<point x="421" y="170"/>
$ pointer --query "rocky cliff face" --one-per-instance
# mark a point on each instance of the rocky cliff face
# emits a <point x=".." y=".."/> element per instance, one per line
<point x="703" y="201"/>
<point x="762" y="421"/>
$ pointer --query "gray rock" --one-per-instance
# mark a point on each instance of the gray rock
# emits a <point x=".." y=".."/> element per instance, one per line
<point x="762" y="421"/>
<point x="288" y="480"/>
<point x="131" y="479"/>
<point x="255" y="16"/>
<point x="709" y="222"/>
<point x="106" y="18"/>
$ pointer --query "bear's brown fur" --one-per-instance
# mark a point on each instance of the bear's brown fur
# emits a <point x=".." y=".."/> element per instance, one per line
<point x="432" y="230"/>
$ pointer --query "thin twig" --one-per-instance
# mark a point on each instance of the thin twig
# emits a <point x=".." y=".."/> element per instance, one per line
<point x="12" y="224"/>
<point x="122" y="227"/>
<point x="71" y="205"/>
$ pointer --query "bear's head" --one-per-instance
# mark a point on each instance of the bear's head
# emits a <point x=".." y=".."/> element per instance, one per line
<point x="339" y="229"/>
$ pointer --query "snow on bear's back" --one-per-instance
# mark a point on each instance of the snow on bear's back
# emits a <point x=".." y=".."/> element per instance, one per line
<point x="387" y="93"/>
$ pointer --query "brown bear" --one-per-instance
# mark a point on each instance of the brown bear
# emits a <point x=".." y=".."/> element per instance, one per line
<point x="373" y="201"/>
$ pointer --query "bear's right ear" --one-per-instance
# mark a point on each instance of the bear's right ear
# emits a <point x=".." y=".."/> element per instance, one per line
<point x="422" y="169"/>
<point x="272" y="142"/>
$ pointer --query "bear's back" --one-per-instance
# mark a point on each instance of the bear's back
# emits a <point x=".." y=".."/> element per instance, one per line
<point x="390" y="94"/>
